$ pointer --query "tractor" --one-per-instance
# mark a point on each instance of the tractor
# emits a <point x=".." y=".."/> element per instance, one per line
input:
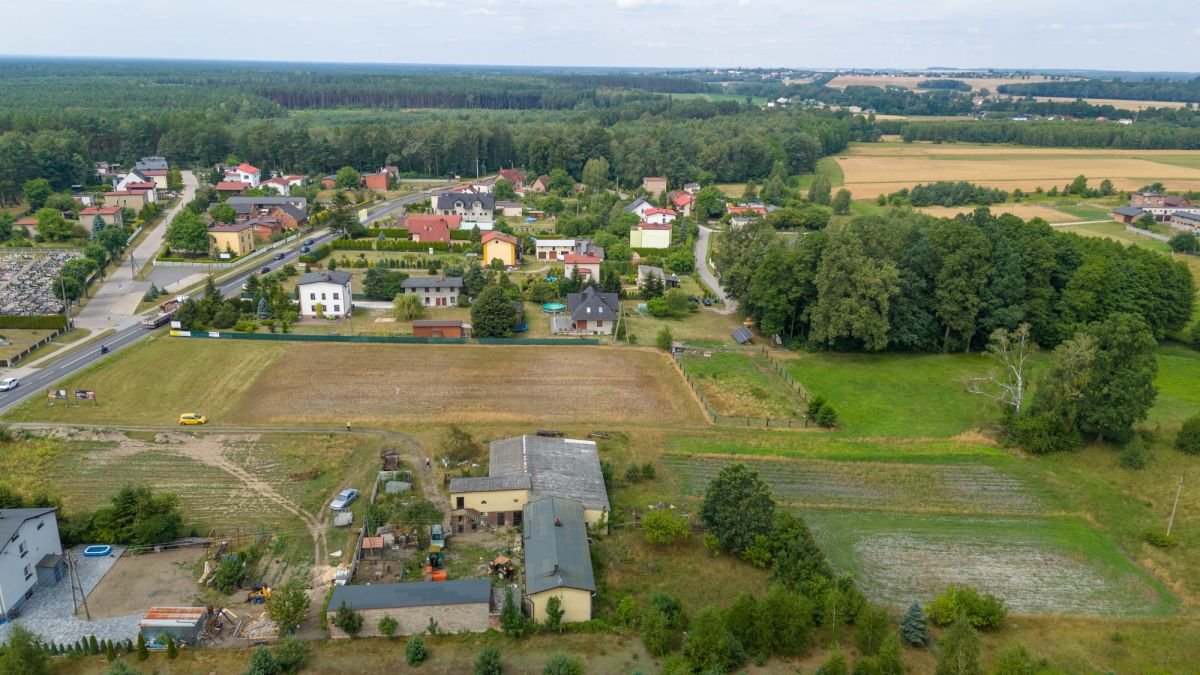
<point x="259" y="593"/>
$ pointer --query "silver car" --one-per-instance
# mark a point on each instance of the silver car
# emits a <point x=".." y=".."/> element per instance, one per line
<point x="343" y="499"/>
<point x="9" y="383"/>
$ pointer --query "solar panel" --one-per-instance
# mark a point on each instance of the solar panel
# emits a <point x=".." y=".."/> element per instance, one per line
<point x="742" y="335"/>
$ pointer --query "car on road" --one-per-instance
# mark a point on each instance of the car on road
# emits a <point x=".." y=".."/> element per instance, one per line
<point x="343" y="499"/>
<point x="308" y="242"/>
<point x="264" y="269"/>
<point x="707" y="302"/>
<point x="9" y="383"/>
<point x="305" y="249"/>
<point x="192" y="418"/>
<point x="279" y="256"/>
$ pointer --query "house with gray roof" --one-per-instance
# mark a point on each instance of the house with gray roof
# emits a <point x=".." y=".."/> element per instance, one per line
<point x="459" y="605"/>
<point x="153" y="163"/>
<point x="250" y="207"/>
<point x="475" y="208"/>
<point x="434" y="291"/>
<point x="589" y="312"/>
<point x="1127" y="214"/>
<point x="525" y="468"/>
<point x="31" y="555"/>
<point x="326" y="293"/>
<point x="558" y="562"/>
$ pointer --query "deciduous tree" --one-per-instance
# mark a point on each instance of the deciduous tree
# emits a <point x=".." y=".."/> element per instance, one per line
<point x="738" y="507"/>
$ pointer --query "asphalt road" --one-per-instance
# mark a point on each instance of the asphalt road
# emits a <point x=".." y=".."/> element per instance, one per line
<point x="701" y="252"/>
<point x="37" y="383"/>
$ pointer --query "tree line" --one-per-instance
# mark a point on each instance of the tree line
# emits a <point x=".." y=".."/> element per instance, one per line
<point x="1187" y="91"/>
<point x="906" y="281"/>
<point x="1050" y="134"/>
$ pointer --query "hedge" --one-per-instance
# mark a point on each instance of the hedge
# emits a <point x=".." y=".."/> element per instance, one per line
<point x="388" y="232"/>
<point x="318" y="253"/>
<point x="410" y="246"/>
<point x="34" y="321"/>
<point x="460" y="235"/>
<point x="353" y="244"/>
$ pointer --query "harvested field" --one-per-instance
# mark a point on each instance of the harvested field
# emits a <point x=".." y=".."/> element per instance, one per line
<point x="1120" y="104"/>
<point x="1022" y="210"/>
<point x="743" y="385"/>
<point x="384" y="384"/>
<point x="977" y="489"/>
<point x="911" y="82"/>
<point x="1038" y="565"/>
<point x="137" y="582"/>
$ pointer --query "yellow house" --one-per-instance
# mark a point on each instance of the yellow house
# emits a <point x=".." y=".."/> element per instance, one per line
<point x="498" y="245"/>
<point x="237" y="238"/>
<point x="526" y="468"/>
<point x="557" y="560"/>
<point x="648" y="235"/>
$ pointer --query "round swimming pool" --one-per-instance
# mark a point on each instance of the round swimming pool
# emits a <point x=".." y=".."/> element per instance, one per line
<point x="553" y="308"/>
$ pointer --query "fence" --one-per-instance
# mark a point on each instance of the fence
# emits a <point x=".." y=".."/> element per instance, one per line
<point x="766" y="422"/>
<point x="1147" y="233"/>
<point x="12" y="360"/>
<point x="392" y="339"/>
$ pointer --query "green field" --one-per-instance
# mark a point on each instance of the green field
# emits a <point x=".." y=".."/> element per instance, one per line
<point x="743" y="385"/>
<point x="1117" y="232"/>
<point x="1036" y="564"/>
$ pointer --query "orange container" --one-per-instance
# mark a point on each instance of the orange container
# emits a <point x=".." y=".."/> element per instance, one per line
<point x="439" y="575"/>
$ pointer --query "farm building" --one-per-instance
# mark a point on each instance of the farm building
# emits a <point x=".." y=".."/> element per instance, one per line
<point x="463" y="605"/>
<point x="438" y="328"/>
<point x="30" y="556"/>
<point x="1127" y="214"/>
<point x="525" y="468"/>
<point x="1162" y="206"/>
<point x="183" y="624"/>
<point x="557" y="560"/>
<point x="1185" y="220"/>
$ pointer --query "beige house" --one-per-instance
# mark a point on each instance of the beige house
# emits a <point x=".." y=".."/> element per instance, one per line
<point x="236" y="238"/>
<point x="557" y="560"/>
<point x="126" y="199"/>
<point x="526" y="468"/>
<point x="460" y="605"/>
<point x="655" y="185"/>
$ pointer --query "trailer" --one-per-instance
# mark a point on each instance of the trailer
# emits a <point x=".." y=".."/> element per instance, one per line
<point x="166" y="311"/>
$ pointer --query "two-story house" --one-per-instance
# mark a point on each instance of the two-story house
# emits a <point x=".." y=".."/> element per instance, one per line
<point x="473" y="208"/>
<point x="434" y="291"/>
<point x="330" y="291"/>
<point x="31" y="555"/>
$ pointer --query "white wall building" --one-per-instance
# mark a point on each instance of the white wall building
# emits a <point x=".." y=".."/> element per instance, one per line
<point x="30" y="554"/>
<point x="244" y="173"/>
<point x="330" y="290"/>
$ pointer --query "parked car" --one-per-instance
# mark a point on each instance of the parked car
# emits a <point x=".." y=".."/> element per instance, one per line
<point x="308" y="242"/>
<point x="264" y="269"/>
<point x="343" y="499"/>
<point x="707" y="302"/>
<point x="9" y="383"/>
<point x="305" y="249"/>
<point x="279" y="256"/>
<point x="192" y="418"/>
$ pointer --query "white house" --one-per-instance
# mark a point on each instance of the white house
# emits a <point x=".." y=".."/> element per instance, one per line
<point x="434" y="291"/>
<point x="659" y="216"/>
<point x="283" y="184"/>
<point x="31" y="554"/>
<point x="475" y="209"/>
<point x="640" y="206"/>
<point x="330" y="290"/>
<point x="553" y="249"/>
<point x="648" y="235"/>
<point x="244" y="173"/>
<point x="584" y="266"/>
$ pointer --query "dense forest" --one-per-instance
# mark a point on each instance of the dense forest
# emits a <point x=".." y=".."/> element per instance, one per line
<point x="1076" y="134"/>
<point x="906" y="281"/>
<point x="1187" y="91"/>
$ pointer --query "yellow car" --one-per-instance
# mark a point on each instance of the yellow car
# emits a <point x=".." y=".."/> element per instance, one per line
<point x="192" y="418"/>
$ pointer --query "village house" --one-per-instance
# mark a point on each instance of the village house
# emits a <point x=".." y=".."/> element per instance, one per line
<point x="283" y="184"/>
<point x="265" y="227"/>
<point x="589" y="312"/>
<point x="134" y="176"/>
<point x="553" y="249"/>
<point x="541" y="184"/>
<point x="434" y="291"/>
<point x="585" y="267"/>
<point x="691" y="188"/>
<point x="152" y="163"/>
<point x="658" y="216"/>
<point x="509" y="209"/>
<point x="639" y="206"/>
<point x="513" y="176"/>
<point x="461" y="605"/>
<point x="1161" y="206"/>
<point x="159" y="176"/>
<point x="329" y="182"/>
<point x="231" y="187"/>
<point x="376" y="181"/>
<point x="440" y="328"/>
<point x="126" y="199"/>
<point x="655" y="185"/>
<point x="522" y="469"/>
<point x="746" y="209"/>
<point x="108" y="215"/>
<point x="28" y="224"/>
<point x="500" y="246"/>
<point x="644" y="272"/>
<point x="147" y="187"/>
<point x="683" y="202"/>
<point x="738" y="222"/>
<point x="244" y="173"/>
<point x="233" y="238"/>
<point x="329" y="292"/>
<point x="291" y="212"/>
<point x="558" y="562"/>
<point x="474" y="209"/>
<point x="31" y="555"/>
<point x="649" y="235"/>
<point x="429" y="227"/>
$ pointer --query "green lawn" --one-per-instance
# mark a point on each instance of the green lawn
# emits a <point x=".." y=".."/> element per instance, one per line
<point x="1178" y="386"/>
<point x="828" y="167"/>
<point x="1117" y="232"/>
<point x="897" y="395"/>
<point x="743" y="385"/>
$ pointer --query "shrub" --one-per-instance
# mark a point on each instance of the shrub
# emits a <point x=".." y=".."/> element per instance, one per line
<point x="662" y="527"/>
<point x="1161" y="540"/>
<point x="388" y="626"/>
<point x="561" y="664"/>
<point x="554" y="614"/>
<point x="982" y="610"/>
<point x="1188" y="439"/>
<point x="664" y="339"/>
<point x="913" y="627"/>
<point x="656" y="633"/>
<point x="414" y="650"/>
<point x="488" y="662"/>
<point x="291" y="655"/>
<point x="142" y="652"/>
<point x="1133" y="456"/>
<point x="348" y="620"/>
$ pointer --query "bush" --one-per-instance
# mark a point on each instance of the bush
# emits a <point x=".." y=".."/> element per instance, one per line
<point x="488" y="662"/>
<point x="291" y="655"/>
<point x="1188" y="439"/>
<point x="561" y="664"/>
<point x="388" y="626"/>
<point x="982" y="610"/>
<point x="348" y="620"/>
<point x="230" y="574"/>
<point x="664" y="338"/>
<point x="1133" y="456"/>
<point x="414" y="650"/>
<point x="662" y="527"/>
<point x="1161" y="540"/>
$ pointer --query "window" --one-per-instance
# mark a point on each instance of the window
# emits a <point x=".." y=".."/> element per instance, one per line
<point x="337" y="308"/>
<point x="24" y="550"/>
<point x="28" y="571"/>
<point x="337" y="296"/>
<point x="500" y="519"/>
<point x="458" y="503"/>
<point x="322" y="296"/>
<point x="312" y="296"/>
<point x="427" y="300"/>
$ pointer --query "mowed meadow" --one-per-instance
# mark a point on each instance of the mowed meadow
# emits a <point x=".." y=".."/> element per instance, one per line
<point x="872" y="169"/>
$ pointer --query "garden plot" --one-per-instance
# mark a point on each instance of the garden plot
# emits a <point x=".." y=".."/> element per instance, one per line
<point x="742" y="385"/>
<point x="1037" y="565"/>
<point x="974" y="489"/>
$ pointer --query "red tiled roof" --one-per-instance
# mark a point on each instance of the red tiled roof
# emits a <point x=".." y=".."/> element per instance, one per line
<point x="492" y="235"/>
<point x="232" y="185"/>
<point x="100" y="210"/>
<point x="581" y="259"/>
<point x="153" y="172"/>
<point x="651" y="212"/>
<point x="683" y="199"/>
<point x="247" y="168"/>
<point x="652" y="226"/>
<point x="140" y="186"/>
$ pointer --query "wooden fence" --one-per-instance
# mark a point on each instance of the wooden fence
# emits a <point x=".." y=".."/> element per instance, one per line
<point x="765" y="422"/>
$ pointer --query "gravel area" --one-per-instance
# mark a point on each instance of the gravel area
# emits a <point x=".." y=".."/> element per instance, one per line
<point x="50" y="612"/>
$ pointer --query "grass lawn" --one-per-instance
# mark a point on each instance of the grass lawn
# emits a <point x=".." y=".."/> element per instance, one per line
<point x="1178" y="388"/>
<point x="743" y="385"/>
<point x="1117" y="232"/>
<point x="828" y="167"/>
<point x="705" y="328"/>
<point x="18" y="340"/>
<point x="897" y="395"/>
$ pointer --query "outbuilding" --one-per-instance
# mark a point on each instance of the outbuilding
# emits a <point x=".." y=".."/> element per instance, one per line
<point x="558" y="562"/>
<point x="440" y="328"/>
<point x="456" y="606"/>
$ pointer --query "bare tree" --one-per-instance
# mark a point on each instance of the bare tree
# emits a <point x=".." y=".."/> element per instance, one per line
<point x="1011" y="350"/>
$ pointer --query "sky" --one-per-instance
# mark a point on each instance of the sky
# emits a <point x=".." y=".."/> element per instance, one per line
<point x="1067" y="34"/>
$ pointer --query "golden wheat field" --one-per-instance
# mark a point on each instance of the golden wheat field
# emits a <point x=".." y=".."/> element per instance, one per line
<point x="873" y="169"/>
<point x="911" y="82"/>
<point x="1023" y="211"/>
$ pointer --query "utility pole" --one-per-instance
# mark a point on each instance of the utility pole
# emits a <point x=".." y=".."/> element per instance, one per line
<point x="1171" y="520"/>
<point x="76" y="584"/>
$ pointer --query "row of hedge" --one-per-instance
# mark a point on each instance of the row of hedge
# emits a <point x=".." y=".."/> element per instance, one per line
<point x="34" y="321"/>
<point x="398" y="245"/>
<point x="319" y="253"/>
<point x="402" y="233"/>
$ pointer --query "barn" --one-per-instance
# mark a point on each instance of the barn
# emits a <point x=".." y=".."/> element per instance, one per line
<point x="462" y="605"/>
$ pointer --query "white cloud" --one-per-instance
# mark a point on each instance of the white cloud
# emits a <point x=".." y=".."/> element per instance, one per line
<point x="484" y="11"/>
